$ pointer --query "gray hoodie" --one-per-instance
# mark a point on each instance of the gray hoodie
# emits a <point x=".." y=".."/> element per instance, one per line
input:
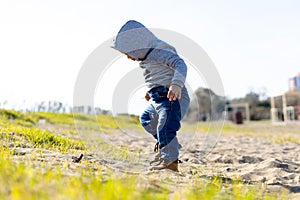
<point x="160" y="61"/>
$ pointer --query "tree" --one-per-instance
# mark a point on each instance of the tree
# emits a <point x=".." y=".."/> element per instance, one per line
<point x="207" y="105"/>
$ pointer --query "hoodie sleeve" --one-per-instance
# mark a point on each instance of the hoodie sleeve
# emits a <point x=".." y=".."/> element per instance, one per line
<point x="168" y="57"/>
<point x="179" y="67"/>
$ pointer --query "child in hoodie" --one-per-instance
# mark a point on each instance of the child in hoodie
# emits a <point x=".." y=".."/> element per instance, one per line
<point x="165" y="74"/>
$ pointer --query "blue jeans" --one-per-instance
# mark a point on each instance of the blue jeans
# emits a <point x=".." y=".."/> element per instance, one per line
<point x="162" y="120"/>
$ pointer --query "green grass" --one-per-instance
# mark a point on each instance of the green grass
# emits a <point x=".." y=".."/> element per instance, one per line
<point x="28" y="178"/>
<point x="277" y="134"/>
<point x="23" y="181"/>
<point x="16" y="117"/>
<point x="20" y="181"/>
<point x="40" y="138"/>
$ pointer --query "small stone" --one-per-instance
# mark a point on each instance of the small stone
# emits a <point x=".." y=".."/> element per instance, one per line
<point x="230" y="169"/>
<point x="77" y="160"/>
<point x="195" y="161"/>
<point x="11" y="133"/>
<point x="19" y="153"/>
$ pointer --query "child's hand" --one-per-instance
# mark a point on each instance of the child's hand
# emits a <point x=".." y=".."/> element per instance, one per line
<point x="174" y="92"/>
<point x="147" y="97"/>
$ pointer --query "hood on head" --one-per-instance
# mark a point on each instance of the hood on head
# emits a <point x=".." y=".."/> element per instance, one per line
<point x="134" y="39"/>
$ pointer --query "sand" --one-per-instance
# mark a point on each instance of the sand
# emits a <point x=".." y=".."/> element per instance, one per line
<point x="252" y="159"/>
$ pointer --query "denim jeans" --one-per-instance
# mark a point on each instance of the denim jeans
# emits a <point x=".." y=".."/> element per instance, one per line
<point x="162" y="119"/>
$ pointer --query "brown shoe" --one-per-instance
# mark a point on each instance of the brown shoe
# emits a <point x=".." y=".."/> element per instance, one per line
<point x="166" y="164"/>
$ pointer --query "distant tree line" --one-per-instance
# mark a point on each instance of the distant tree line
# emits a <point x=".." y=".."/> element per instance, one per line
<point x="206" y="105"/>
<point x="259" y="108"/>
<point x="56" y="107"/>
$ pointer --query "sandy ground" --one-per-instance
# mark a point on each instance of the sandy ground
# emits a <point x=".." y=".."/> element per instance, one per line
<point x="251" y="159"/>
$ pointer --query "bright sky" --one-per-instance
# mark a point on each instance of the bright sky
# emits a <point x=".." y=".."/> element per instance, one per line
<point x="255" y="45"/>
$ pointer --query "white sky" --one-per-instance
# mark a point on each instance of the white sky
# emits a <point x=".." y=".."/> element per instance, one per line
<point x="254" y="44"/>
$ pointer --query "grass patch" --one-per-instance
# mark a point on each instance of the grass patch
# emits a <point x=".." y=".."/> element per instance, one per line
<point x="103" y="123"/>
<point x="260" y="129"/>
<point x="20" y="181"/>
<point x="217" y="188"/>
<point x="17" y="117"/>
<point x="35" y="179"/>
<point x="41" y="138"/>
